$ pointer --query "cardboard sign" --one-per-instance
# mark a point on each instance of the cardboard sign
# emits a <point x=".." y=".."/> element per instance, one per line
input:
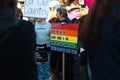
<point x="36" y="8"/>
<point x="64" y="38"/>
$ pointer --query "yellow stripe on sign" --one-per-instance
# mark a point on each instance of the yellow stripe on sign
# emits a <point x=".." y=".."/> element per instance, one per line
<point x="69" y="39"/>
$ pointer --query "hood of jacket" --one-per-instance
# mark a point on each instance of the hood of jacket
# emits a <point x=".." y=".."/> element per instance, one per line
<point x="7" y="19"/>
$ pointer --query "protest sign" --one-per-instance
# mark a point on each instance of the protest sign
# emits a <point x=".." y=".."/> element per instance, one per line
<point x="64" y="38"/>
<point x="81" y="2"/>
<point x="36" y="8"/>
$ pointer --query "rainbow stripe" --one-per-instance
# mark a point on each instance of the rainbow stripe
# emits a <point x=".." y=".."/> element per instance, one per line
<point x="64" y="36"/>
<point x="68" y="39"/>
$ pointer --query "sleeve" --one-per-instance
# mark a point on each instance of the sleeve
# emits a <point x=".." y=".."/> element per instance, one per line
<point x="27" y="43"/>
<point x="49" y="35"/>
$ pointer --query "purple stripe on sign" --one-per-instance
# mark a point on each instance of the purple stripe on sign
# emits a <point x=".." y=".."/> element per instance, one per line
<point x="64" y="50"/>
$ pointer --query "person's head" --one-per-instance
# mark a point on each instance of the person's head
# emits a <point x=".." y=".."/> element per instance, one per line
<point x="41" y="20"/>
<point x="95" y="18"/>
<point x="19" y="14"/>
<point x="74" y="12"/>
<point x="61" y="13"/>
<point x="10" y="4"/>
<point x="32" y="19"/>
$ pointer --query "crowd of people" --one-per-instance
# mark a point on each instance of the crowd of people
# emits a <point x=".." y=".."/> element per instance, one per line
<point x="25" y="52"/>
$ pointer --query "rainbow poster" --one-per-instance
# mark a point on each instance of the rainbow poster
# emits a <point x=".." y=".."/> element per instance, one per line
<point x="64" y="38"/>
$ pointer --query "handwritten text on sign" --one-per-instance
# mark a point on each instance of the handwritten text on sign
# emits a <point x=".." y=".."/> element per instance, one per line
<point x="36" y="8"/>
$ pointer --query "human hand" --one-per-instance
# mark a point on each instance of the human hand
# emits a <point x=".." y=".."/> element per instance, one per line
<point x="63" y="22"/>
<point x="82" y="50"/>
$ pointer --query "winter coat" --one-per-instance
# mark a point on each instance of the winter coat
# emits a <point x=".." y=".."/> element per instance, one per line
<point x="16" y="52"/>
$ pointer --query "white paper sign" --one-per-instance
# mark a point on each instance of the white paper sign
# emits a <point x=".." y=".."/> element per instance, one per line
<point x="81" y="2"/>
<point x="36" y="8"/>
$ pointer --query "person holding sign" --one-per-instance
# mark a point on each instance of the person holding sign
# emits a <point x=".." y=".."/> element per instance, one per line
<point x="56" y="57"/>
<point x="42" y="29"/>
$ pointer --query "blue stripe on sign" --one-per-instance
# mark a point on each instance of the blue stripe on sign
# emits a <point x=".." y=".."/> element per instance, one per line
<point x="64" y="50"/>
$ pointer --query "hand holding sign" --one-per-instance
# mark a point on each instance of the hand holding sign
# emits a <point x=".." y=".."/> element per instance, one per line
<point x="63" y="22"/>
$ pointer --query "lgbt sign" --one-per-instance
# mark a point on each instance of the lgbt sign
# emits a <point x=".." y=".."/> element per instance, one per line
<point x="64" y="38"/>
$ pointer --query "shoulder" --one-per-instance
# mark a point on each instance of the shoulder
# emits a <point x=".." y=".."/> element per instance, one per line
<point x="37" y="24"/>
<point x="67" y="20"/>
<point x="48" y="24"/>
<point x="25" y="27"/>
<point x="25" y="23"/>
<point x="56" y="20"/>
<point x="111" y="16"/>
<point x="113" y="12"/>
<point x="82" y="18"/>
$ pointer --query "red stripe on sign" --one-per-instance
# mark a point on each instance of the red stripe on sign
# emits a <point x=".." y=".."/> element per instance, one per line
<point x="65" y="26"/>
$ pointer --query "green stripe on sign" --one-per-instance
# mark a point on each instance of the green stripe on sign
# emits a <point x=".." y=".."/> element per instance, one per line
<point x="64" y="44"/>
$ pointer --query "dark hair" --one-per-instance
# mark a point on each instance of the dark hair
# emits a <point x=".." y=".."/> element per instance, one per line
<point x="91" y="26"/>
<point x="62" y="11"/>
<point x="9" y="3"/>
<point x="19" y="13"/>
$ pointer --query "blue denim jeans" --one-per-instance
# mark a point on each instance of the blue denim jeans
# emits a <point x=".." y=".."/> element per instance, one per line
<point x="43" y="69"/>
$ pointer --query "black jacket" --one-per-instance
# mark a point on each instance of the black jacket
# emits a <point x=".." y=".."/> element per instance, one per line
<point x="16" y="53"/>
<point x="66" y="20"/>
<point x="104" y="58"/>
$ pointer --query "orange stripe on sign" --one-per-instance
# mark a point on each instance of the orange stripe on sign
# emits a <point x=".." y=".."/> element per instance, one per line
<point x="64" y="32"/>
